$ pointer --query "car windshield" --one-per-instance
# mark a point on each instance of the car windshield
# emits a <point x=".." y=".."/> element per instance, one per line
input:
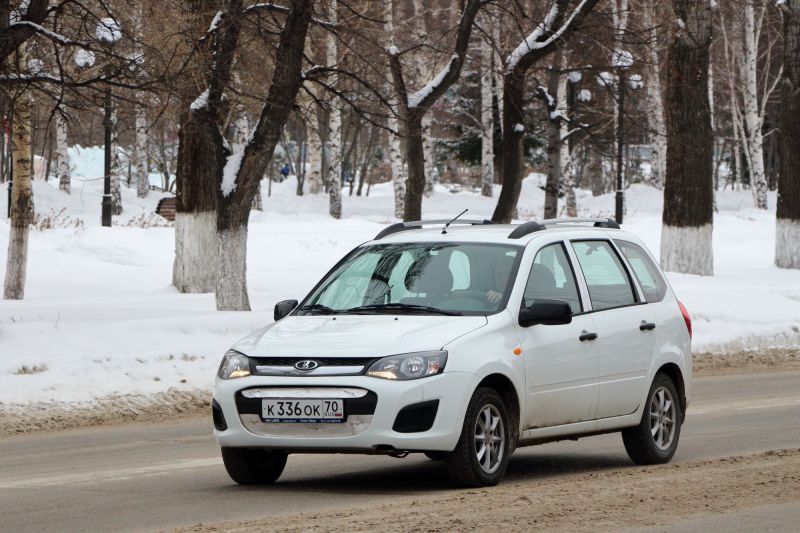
<point x="418" y="278"/>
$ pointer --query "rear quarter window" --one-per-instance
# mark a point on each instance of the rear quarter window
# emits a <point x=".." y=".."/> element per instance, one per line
<point x="647" y="273"/>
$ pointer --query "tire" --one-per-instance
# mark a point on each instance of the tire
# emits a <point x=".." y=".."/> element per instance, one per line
<point x="463" y="463"/>
<point x="436" y="456"/>
<point x="250" y="466"/>
<point x="655" y="439"/>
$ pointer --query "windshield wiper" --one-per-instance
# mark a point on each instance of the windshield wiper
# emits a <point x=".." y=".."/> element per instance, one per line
<point x="402" y="307"/>
<point x="322" y="309"/>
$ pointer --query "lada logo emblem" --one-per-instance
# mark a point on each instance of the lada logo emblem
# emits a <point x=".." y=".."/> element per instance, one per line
<point x="306" y="365"/>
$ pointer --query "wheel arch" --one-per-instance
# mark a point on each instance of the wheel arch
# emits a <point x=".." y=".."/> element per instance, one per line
<point x="501" y="384"/>
<point x="673" y="371"/>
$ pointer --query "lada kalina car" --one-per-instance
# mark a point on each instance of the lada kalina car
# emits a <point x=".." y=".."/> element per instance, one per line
<point x="464" y="342"/>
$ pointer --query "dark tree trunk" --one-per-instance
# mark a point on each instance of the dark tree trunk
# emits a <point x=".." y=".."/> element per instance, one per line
<point x="787" y="242"/>
<point x="233" y="208"/>
<point x="511" y="148"/>
<point x="688" y="188"/>
<point x="415" y="185"/>
<point x="201" y="157"/>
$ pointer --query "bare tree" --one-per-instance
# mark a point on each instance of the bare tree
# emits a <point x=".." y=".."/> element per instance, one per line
<point x="562" y="19"/>
<point x="787" y="234"/>
<point x="686" y="244"/>
<point x="244" y="168"/>
<point x="413" y="106"/>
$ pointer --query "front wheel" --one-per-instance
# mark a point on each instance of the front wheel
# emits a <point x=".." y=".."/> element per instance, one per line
<point x="481" y="455"/>
<point x="250" y="466"/>
<point x="655" y="439"/>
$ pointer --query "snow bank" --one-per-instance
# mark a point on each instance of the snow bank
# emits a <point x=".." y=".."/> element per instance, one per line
<point x="101" y="319"/>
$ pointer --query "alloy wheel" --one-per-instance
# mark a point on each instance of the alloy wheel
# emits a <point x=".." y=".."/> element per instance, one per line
<point x="663" y="418"/>
<point x="489" y="438"/>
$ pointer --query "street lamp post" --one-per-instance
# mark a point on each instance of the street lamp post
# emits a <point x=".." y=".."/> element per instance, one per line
<point x="108" y="123"/>
<point x="622" y="60"/>
<point x="9" y="130"/>
<point x="108" y="32"/>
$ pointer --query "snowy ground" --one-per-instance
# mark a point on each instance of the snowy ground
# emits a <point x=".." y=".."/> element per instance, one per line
<point x="100" y="317"/>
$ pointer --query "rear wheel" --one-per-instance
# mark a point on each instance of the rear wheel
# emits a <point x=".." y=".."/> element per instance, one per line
<point x="250" y="466"/>
<point x="656" y="437"/>
<point x="481" y="455"/>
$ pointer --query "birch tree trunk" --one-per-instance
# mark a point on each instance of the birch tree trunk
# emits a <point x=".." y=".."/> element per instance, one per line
<point x="395" y="148"/>
<point x="787" y="231"/>
<point x="116" y="168"/>
<point x="655" y="101"/>
<point x="753" y="119"/>
<point x="554" y="161"/>
<point x="62" y="155"/>
<point x="487" y="118"/>
<point x="21" y="194"/>
<point x="334" y="130"/>
<point x="430" y="156"/>
<point x="567" y="146"/>
<point x="686" y="236"/>
<point x="140" y="120"/>
<point x="314" y="144"/>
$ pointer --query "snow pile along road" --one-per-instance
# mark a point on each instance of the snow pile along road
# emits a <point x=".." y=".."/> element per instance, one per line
<point x="101" y="320"/>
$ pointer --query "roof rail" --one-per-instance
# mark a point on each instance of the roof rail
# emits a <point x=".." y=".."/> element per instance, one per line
<point x="418" y="224"/>
<point x="608" y="223"/>
<point x="530" y="227"/>
<point x="525" y="229"/>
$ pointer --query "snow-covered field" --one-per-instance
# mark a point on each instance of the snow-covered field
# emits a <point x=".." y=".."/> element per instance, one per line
<point x="100" y="317"/>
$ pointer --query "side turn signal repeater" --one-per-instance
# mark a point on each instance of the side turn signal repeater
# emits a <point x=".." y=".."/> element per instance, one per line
<point x="517" y="351"/>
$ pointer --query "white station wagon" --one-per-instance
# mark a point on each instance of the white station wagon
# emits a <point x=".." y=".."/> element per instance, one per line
<point x="464" y="342"/>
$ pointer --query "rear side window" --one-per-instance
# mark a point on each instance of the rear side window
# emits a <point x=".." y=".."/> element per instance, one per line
<point x="606" y="278"/>
<point x="646" y="272"/>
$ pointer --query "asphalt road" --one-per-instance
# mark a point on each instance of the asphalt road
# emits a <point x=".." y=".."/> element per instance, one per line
<point x="142" y="477"/>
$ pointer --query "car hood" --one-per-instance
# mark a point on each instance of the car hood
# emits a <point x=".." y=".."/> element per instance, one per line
<point x="356" y="335"/>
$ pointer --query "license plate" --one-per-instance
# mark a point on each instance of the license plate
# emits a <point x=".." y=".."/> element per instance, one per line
<point x="329" y="410"/>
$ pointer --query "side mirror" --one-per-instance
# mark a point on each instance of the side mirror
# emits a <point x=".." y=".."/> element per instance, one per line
<point x="284" y="308"/>
<point x="548" y="312"/>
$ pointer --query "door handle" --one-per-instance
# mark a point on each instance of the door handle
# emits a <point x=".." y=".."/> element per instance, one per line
<point x="586" y="336"/>
<point x="647" y="326"/>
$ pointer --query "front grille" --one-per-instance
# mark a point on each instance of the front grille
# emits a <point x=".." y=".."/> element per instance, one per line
<point x="323" y="361"/>
<point x="328" y="366"/>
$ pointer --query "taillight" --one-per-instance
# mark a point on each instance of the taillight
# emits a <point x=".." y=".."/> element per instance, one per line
<point x="686" y="318"/>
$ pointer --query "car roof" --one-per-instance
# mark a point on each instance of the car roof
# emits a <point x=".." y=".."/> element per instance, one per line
<point x="499" y="233"/>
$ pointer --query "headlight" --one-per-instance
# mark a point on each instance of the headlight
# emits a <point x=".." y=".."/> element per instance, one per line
<point x="409" y="365"/>
<point x="234" y="365"/>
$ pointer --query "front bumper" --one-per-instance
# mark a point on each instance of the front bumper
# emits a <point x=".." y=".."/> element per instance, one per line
<point x="362" y="432"/>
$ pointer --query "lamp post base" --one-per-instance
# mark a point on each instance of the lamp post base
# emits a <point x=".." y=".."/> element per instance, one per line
<point x="620" y="199"/>
<point x="106" y="217"/>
